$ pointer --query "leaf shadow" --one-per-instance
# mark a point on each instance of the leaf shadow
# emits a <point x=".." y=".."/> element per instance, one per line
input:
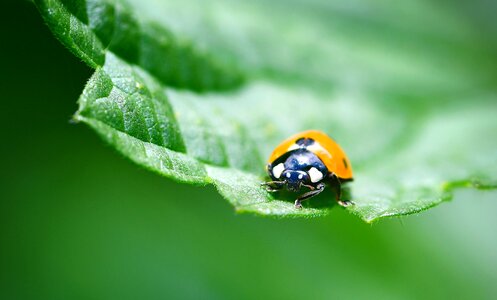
<point x="327" y="199"/>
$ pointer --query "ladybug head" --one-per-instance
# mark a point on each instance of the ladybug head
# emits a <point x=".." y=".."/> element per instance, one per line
<point x="294" y="179"/>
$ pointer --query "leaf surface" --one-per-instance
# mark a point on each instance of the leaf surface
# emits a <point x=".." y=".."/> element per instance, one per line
<point x="202" y="91"/>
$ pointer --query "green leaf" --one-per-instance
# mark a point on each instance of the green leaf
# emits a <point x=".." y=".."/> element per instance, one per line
<point x="202" y="92"/>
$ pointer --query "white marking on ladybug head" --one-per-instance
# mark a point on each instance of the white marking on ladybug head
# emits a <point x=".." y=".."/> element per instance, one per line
<point x="277" y="170"/>
<point x="316" y="147"/>
<point x="301" y="176"/>
<point x="288" y="175"/>
<point x="293" y="147"/>
<point x="315" y="175"/>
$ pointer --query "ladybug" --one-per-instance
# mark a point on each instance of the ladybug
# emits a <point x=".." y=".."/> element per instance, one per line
<point x="309" y="159"/>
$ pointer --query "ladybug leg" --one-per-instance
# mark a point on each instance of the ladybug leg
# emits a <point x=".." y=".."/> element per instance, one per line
<point x="273" y="186"/>
<point x="337" y="186"/>
<point x="315" y="191"/>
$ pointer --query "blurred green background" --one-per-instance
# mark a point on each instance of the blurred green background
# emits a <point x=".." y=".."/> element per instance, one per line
<point x="78" y="221"/>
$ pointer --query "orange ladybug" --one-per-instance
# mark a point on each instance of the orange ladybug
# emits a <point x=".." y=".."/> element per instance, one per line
<point x="309" y="159"/>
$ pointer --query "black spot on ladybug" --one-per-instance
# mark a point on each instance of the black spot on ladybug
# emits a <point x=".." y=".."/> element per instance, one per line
<point x="304" y="142"/>
<point x="345" y="163"/>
